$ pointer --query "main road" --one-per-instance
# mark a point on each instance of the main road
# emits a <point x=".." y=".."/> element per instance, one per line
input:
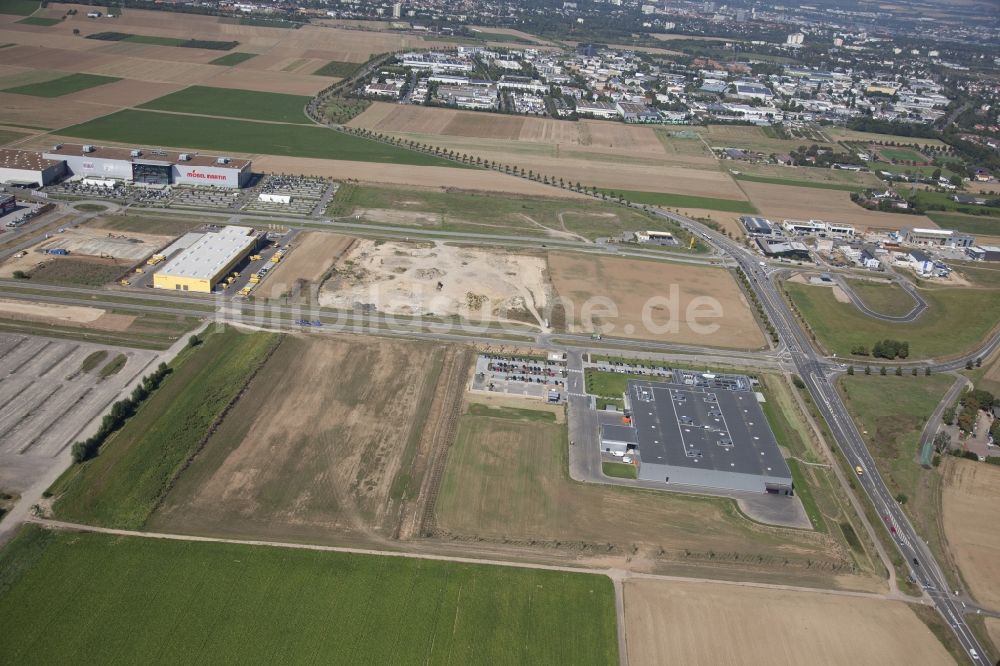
<point x="816" y="373"/>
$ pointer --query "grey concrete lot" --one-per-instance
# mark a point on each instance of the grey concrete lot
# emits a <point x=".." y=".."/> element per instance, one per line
<point x="46" y="399"/>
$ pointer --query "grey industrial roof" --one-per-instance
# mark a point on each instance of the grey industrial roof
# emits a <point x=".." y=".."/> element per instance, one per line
<point x="210" y="253"/>
<point x="618" y="433"/>
<point x="703" y="428"/>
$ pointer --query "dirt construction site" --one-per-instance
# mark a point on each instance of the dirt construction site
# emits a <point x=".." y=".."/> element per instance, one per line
<point x="125" y="249"/>
<point x="717" y="623"/>
<point x="50" y="390"/>
<point x="438" y="279"/>
<point x="336" y="439"/>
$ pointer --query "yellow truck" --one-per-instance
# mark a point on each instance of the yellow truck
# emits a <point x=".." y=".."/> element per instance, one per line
<point x="155" y="259"/>
<point x="245" y="291"/>
<point x="255" y="257"/>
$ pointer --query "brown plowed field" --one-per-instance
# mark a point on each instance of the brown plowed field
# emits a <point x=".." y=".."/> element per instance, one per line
<point x="312" y="255"/>
<point x="713" y="623"/>
<point x="490" y="126"/>
<point x="327" y="444"/>
<point x="970" y="493"/>
<point x="673" y="295"/>
<point x="779" y="202"/>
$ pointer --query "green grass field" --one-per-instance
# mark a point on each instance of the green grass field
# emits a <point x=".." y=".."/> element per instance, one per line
<point x="887" y="299"/>
<point x="943" y="201"/>
<point x="67" y="597"/>
<point x="231" y="59"/>
<point x="891" y="413"/>
<point x="62" y="86"/>
<point x="7" y="136"/>
<point x="684" y="201"/>
<point x="495" y="213"/>
<point x="337" y="68"/>
<point x="234" y="103"/>
<point x="18" y="7"/>
<point x="125" y="482"/>
<point x="619" y="470"/>
<point x="40" y="20"/>
<point x="956" y="320"/>
<point x="845" y="187"/>
<point x="982" y="225"/>
<point x="479" y="409"/>
<point x="243" y="136"/>
<point x="901" y="154"/>
<point x="163" y="41"/>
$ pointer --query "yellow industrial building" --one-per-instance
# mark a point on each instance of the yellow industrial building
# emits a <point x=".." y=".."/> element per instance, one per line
<point x="207" y="261"/>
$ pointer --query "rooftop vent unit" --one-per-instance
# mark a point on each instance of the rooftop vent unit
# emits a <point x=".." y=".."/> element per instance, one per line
<point x="58" y="146"/>
<point x="135" y="153"/>
<point x="222" y="160"/>
<point x="89" y="148"/>
<point x="184" y="157"/>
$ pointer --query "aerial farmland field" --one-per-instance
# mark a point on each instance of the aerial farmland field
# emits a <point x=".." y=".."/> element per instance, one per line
<point x="132" y="600"/>
<point x="243" y="136"/>
<point x="234" y="103"/>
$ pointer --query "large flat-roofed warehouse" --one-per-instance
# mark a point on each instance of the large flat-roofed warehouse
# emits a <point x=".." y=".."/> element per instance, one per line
<point x="207" y="261"/>
<point x="28" y="168"/>
<point x="706" y="431"/>
<point x="151" y="166"/>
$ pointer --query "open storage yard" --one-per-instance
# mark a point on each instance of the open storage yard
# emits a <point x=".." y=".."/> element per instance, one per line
<point x="126" y="600"/>
<point x="970" y="492"/>
<point x="331" y="442"/>
<point x="686" y="304"/>
<point x="714" y="623"/>
<point x="50" y="390"/>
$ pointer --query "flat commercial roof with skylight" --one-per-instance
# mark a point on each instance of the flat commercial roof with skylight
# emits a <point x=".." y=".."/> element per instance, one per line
<point x="705" y="432"/>
<point x="207" y="261"/>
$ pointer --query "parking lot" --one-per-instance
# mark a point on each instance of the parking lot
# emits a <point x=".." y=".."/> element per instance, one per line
<point x="525" y="377"/>
<point x="46" y="398"/>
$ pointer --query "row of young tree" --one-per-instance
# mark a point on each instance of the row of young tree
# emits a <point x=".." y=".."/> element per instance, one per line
<point x="120" y="412"/>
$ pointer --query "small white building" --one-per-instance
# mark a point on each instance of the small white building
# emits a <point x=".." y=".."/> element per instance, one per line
<point x="275" y="198"/>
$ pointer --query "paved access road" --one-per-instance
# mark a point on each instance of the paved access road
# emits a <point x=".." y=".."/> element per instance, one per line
<point x="813" y="369"/>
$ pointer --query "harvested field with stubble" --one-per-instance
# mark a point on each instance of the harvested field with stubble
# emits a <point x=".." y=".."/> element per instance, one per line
<point x="715" y="623"/>
<point x="313" y="254"/>
<point x="779" y="202"/>
<point x="330" y="443"/>
<point x="605" y="154"/>
<point x="970" y="491"/>
<point x="680" y="300"/>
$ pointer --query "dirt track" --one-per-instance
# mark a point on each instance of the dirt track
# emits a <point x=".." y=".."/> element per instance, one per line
<point x="710" y="623"/>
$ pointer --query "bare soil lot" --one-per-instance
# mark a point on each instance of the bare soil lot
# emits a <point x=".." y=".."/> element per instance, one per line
<point x="439" y="280"/>
<point x="54" y="313"/>
<point x="712" y="623"/>
<point x="779" y="202"/>
<point x="970" y="493"/>
<point x="313" y="254"/>
<point x="330" y="442"/>
<point x="675" y="299"/>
